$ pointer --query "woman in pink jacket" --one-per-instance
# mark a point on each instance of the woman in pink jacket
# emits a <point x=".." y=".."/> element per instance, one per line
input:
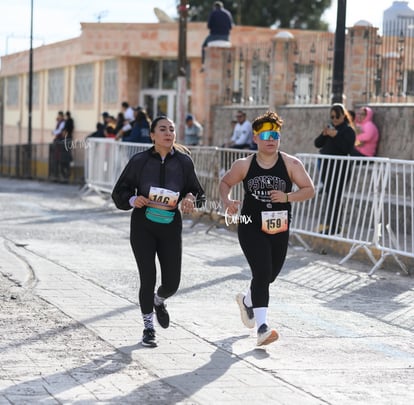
<point x="367" y="135"/>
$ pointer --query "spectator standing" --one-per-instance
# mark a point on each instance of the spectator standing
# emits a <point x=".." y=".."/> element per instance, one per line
<point x="140" y="129"/>
<point x="127" y="111"/>
<point x="220" y="23"/>
<point x="337" y="138"/>
<point x="153" y="183"/>
<point x="56" y="148"/>
<point x="120" y="122"/>
<point x="367" y="136"/>
<point x="60" y="125"/>
<point x="193" y="131"/>
<point x="66" y="152"/>
<point x="69" y="126"/>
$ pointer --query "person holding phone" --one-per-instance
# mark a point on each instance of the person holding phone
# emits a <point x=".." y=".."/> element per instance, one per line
<point x="338" y="140"/>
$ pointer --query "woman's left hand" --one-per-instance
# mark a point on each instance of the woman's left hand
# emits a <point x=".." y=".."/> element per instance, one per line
<point x="188" y="204"/>
<point x="277" y="196"/>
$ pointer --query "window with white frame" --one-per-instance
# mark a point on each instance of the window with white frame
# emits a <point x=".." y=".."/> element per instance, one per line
<point x="84" y="79"/>
<point x="55" y="86"/>
<point x="110" y="85"/>
<point x="12" y="91"/>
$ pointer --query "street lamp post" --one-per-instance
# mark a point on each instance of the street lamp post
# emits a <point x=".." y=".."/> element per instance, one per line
<point x="339" y="54"/>
<point x="182" y="69"/>
<point x="29" y="134"/>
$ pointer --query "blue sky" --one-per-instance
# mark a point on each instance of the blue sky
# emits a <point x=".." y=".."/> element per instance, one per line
<point x="58" y="20"/>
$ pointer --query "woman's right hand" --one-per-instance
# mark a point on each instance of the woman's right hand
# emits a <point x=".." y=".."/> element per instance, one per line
<point x="141" y="201"/>
<point x="231" y="207"/>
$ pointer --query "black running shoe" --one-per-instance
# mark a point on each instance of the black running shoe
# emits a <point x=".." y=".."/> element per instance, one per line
<point x="163" y="317"/>
<point x="148" y="338"/>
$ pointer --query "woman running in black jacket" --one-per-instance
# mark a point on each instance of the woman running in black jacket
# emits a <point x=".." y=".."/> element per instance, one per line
<point x="154" y="182"/>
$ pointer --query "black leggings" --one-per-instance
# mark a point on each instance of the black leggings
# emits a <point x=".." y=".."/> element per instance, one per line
<point x="265" y="254"/>
<point x="164" y="240"/>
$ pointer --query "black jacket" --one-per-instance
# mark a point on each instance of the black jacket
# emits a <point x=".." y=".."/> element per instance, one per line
<point x="341" y="144"/>
<point x="146" y="169"/>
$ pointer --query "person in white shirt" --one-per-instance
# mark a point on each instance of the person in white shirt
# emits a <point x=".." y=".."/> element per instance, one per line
<point x="60" y="125"/>
<point x="128" y="112"/>
<point x="242" y="137"/>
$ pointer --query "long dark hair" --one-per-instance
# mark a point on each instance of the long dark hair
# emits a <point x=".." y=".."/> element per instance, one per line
<point x="142" y="116"/>
<point x="339" y="108"/>
<point x="178" y="146"/>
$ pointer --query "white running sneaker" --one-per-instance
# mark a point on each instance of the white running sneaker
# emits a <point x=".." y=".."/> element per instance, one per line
<point x="246" y="313"/>
<point x="265" y="335"/>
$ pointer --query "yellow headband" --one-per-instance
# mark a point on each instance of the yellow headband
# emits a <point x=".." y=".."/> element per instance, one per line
<point x="267" y="126"/>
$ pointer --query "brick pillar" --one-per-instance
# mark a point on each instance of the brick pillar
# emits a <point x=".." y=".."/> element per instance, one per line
<point x="215" y="85"/>
<point x="360" y="65"/>
<point x="282" y="73"/>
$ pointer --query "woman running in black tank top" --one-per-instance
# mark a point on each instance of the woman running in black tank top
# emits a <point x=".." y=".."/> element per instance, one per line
<point x="263" y="228"/>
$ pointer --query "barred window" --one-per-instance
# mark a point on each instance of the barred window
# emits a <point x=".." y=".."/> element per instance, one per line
<point x="303" y="85"/>
<point x="409" y="90"/>
<point x="110" y="85"/>
<point x="55" y="86"/>
<point x="84" y="79"/>
<point x="35" y="89"/>
<point x="12" y="91"/>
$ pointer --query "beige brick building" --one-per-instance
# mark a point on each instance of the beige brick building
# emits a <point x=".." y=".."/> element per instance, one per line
<point x="114" y="62"/>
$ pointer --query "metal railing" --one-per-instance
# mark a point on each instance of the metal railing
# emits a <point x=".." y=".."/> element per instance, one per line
<point x="371" y="201"/>
<point x="365" y="202"/>
<point x="47" y="161"/>
<point x="104" y="162"/>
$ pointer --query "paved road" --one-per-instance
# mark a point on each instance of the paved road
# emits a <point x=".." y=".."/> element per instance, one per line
<point x="70" y="325"/>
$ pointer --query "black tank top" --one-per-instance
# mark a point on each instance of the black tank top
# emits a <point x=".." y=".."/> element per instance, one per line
<point x="257" y="185"/>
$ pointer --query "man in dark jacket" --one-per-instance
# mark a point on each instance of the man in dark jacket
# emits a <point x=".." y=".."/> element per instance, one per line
<point x="219" y="23"/>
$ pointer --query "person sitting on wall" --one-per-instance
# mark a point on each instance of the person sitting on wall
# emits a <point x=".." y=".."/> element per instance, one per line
<point x="367" y="135"/>
<point x="220" y="23"/>
<point x="242" y="137"/>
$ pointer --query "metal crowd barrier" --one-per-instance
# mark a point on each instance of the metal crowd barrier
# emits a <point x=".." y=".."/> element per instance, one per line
<point x="397" y="213"/>
<point x="104" y="162"/>
<point x="366" y="202"/>
<point x="361" y="217"/>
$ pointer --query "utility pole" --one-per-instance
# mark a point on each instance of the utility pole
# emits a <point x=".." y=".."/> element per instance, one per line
<point x="239" y="14"/>
<point x="182" y="70"/>
<point x="29" y="134"/>
<point x="339" y="54"/>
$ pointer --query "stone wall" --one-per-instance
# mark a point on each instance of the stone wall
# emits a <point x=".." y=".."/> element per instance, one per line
<point x="302" y="124"/>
